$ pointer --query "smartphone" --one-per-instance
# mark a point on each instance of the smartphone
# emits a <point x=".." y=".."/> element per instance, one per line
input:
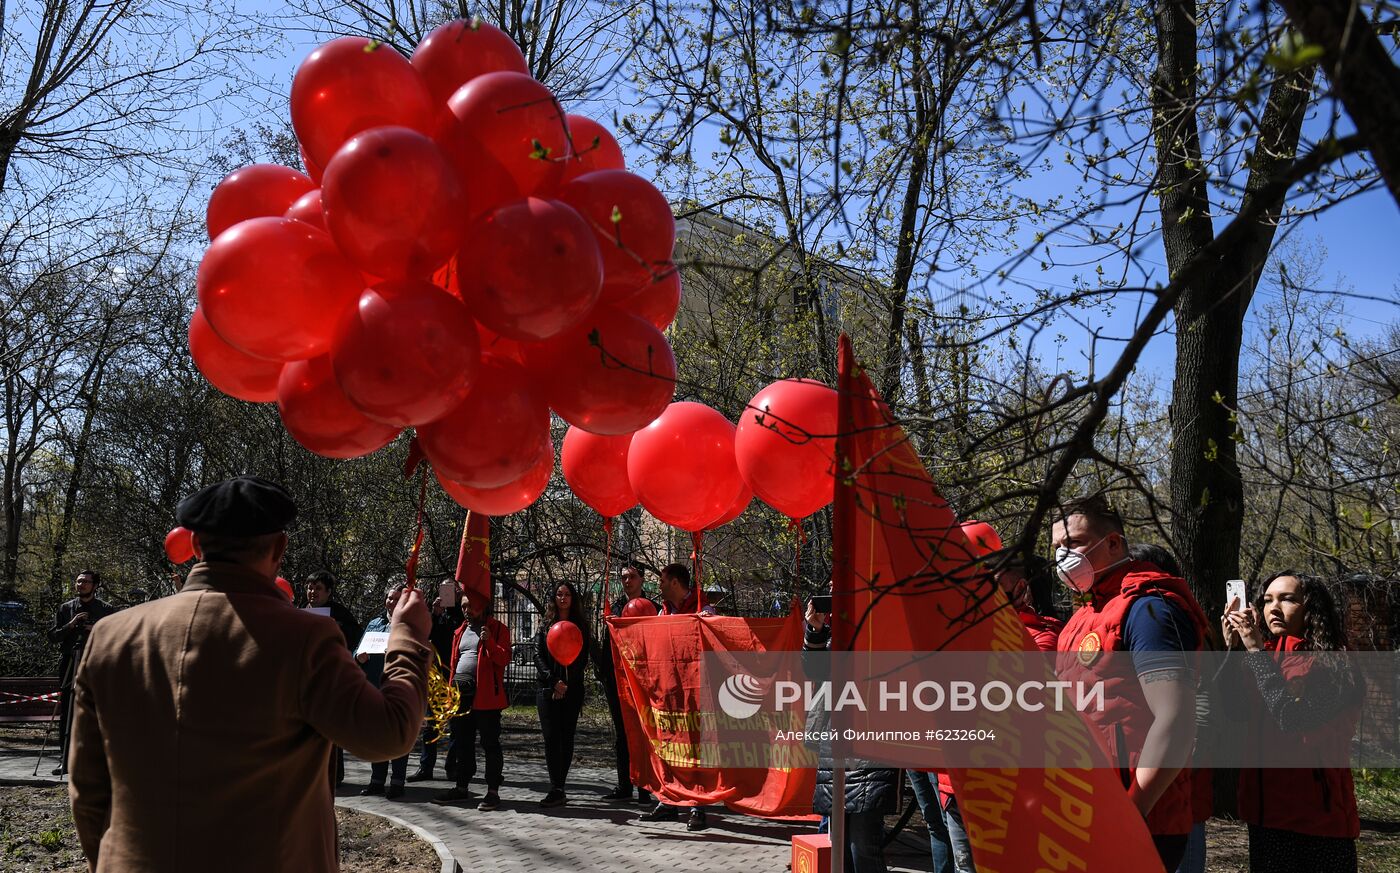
<point x="447" y="593"/>
<point x="1235" y="595"/>
<point x="822" y="603"/>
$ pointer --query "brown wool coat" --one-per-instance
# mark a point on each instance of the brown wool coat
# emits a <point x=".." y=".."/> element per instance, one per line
<point x="203" y="723"/>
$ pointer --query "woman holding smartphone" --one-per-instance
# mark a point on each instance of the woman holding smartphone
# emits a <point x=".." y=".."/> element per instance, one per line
<point x="560" y="696"/>
<point x="1303" y="703"/>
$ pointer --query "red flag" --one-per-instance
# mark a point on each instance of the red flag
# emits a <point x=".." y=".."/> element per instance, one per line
<point x="474" y="557"/>
<point x="899" y="558"/>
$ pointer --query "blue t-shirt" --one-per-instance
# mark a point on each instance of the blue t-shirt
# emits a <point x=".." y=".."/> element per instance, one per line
<point x="1160" y="635"/>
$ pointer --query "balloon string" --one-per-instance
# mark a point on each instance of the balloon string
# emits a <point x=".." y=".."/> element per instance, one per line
<point x="607" y="566"/>
<point x="796" y="524"/>
<point x="411" y="567"/>
<point x="697" y="539"/>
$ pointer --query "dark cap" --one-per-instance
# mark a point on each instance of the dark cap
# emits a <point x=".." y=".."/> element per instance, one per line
<point x="242" y="507"/>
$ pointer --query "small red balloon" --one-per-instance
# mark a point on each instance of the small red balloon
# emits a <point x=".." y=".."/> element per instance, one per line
<point x="658" y="301"/>
<point x="275" y="288"/>
<point x="456" y="52"/>
<point x="637" y="607"/>
<point x="682" y="466"/>
<point x="393" y="203"/>
<point x="254" y="191"/>
<point x="530" y="269"/>
<point x="179" y="545"/>
<point x="512" y="122"/>
<point x="634" y="225"/>
<point x="307" y="209"/>
<point x="982" y="537"/>
<point x="350" y="85"/>
<point x="736" y="509"/>
<point x="494" y="436"/>
<point x="509" y="498"/>
<point x="407" y="354"/>
<point x="238" y="375"/>
<point x="596" y="469"/>
<point x="785" y="445"/>
<point x="594" y="148"/>
<point x="564" y="641"/>
<point x="286" y="588"/>
<point x="610" y="374"/>
<point x="319" y="416"/>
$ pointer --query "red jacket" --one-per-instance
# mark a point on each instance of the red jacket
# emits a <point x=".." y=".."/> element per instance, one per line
<point x="1320" y="801"/>
<point x="1044" y="629"/>
<point x="491" y="660"/>
<point x="1125" y="718"/>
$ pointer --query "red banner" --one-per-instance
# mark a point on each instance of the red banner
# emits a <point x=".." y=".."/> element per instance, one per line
<point x="667" y="713"/>
<point x="474" y="557"/>
<point x="904" y="580"/>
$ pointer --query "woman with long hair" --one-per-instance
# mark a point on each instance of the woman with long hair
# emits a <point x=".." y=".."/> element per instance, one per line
<point x="1302" y="701"/>
<point x="560" y="695"/>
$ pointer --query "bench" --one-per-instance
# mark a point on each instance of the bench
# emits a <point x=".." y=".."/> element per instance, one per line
<point x="27" y="698"/>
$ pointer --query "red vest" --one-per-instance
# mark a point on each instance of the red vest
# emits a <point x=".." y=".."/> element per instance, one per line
<point x="1319" y="801"/>
<point x="1125" y="718"/>
<point x="491" y="661"/>
<point x="1044" y="629"/>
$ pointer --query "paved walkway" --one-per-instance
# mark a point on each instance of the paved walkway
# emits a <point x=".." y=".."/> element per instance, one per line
<point x="588" y="834"/>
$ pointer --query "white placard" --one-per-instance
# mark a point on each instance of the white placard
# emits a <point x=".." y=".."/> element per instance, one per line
<point x="373" y="643"/>
<point x="319" y="610"/>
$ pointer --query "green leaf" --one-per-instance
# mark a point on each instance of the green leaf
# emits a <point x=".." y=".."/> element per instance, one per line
<point x="616" y="217"/>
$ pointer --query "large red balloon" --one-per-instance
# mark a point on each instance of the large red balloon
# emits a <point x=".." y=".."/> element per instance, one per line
<point x="179" y="545"/>
<point x="349" y="85"/>
<point x="393" y="203"/>
<point x="564" y="641"/>
<point x="407" y="354"/>
<point x="658" y="301"/>
<point x="236" y="374"/>
<point x="596" y="469"/>
<point x="307" y="209"/>
<point x="312" y="169"/>
<point x="786" y="443"/>
<point x="508" y="498"/>
<point x="494" y="436"/>
<point x="275" y="288"/>
<point x="682" y="466"/>
<point x="634" y="225"/>
<point x="319" y="416"/>
<point x="253" y="192"/>
<point x="530" y="269"/>
<point x="493" y="343"/>
<point x="638" y="606"/>
<point x="736" y="509"/>
<point x="511" y="123"/>
<point x="459" y="51"/>
<point x="610" y="374"/>
<point x="594" y="148"/>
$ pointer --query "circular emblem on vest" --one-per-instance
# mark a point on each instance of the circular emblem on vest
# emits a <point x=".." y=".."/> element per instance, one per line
<point x="1089" y="648"/>
<point x="804" y="863"/>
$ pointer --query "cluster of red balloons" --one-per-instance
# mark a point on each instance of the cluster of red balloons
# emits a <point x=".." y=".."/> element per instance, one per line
<point x="693" y="469"/>
<point x="459" y="257"/>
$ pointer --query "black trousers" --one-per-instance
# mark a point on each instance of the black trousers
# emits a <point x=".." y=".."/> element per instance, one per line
<point x="1170" y="848"/>
<point x="559" y="722"/>
<point x="396" y="771"/>
<point x="462" y="747"/>
<point x="427" y="759"/>
<point x="1275" y="851"/>
<point x="624" y="760"/>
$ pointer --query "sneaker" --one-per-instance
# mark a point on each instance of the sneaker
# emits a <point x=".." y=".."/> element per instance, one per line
<point x="490" y="803"/>
<point x="452" y="796"/>
<point x="661" y="812"/>
<point x="57" y="771"/>
<point x="372" y="789"/>
<point x="393" y="792"/>
<point x="555" y="797"/>
<point x="421" y="776"/>
<point x="619" y="793"/>
<point x="697" y="821"/>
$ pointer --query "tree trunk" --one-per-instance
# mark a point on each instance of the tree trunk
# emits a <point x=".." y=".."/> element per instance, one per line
<point x="57" y="578"/>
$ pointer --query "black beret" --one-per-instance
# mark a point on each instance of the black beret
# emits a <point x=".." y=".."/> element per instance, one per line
<point x="242" y="507"/>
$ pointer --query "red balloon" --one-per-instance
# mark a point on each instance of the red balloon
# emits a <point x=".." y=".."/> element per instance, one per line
<point x="638" y="606"/>
<point x="312" y="169"/>
<point x="658" y="301"/>
<point x="785" y="445"/>
<point x="275" y="288"/>
<point x="634" y="225"/>
<point x="393" y="203"/>
<point x="349" y="85"/>
<point x="238" y="375"/>
<point x="736" y="509"/>
<point x="610" y="374"/>
<point x="501" y="347"/>
<point x="512" y="123"/>
<point x="682" y="466"/>
<point x="494" y="436"/>
<point x="530" y="269"/>
<point x="982" y="537"/>
<point x="253" y="192"/>
<point x="286" y="588"/>
<point x="459" y="51"/>
<point x="319" y="416"/>
<point x="596" y="469"/>
<point x="594" y="148"/>
<point x="307" y="209"/>
<point x="564" y="641"/>
<point x="508" y="498"/>
<point x="179" y="545"/>
<point x="407" y="354"/>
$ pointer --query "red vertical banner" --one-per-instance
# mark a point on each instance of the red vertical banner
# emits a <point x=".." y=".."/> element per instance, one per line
<point x="474" y="556"/>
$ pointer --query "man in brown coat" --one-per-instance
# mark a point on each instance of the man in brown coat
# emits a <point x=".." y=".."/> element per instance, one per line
<point x="203" y="722"/>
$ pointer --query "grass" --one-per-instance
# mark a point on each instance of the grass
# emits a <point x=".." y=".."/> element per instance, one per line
<point x="1378" y="796"/>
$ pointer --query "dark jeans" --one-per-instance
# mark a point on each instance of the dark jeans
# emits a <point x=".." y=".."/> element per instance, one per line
<point x="1276" y="851"/>
<point x="624" y="761"/>
<point x="957" y="838"/>
<point x="1171" y="849"/>
<point x="397" y="769"/>
<point x="427" y="759"/>
<point x="462" y="747"/>
<point x="865" y="841"/>
<point x="925" y="787"/>
<point x="559" y="722"/>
